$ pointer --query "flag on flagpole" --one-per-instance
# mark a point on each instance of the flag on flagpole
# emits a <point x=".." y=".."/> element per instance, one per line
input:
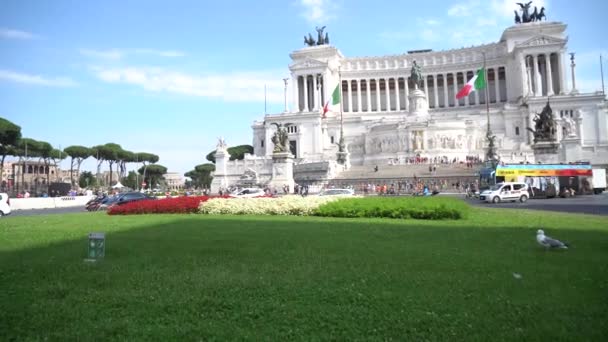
<point x="477" y="82"/>
<point x="335" y="99"/>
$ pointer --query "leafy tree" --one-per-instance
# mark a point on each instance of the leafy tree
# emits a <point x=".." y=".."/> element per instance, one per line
<point x="109" y="153"/>
<point x="154" y="174"/>
<point x="26" y="148"/>
<point x="78" y="155"/>
<point x="87" y="179"/>
<point x="46" y="154"/>
<point x="9" y="138"/>
<point x="144" y="157"/>
<point x="236" y="153"/>
<point x="124" y="157"/>
<point x="201" y="175"/>
<point x="131" y="180"/>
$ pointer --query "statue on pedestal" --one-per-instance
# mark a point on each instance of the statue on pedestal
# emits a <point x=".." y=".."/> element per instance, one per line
<point x="416" y="74"/>
<point x="544" y="127"/>
<point x="280" y="139"/>
<point x="221" y="144"/>
<point x="569" y="126"/>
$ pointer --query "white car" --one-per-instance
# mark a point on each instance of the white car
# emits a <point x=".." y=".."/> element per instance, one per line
<point x="5" y="204"/>
<point x="337" y="192"/>
<point x="505" y="192"/>
<point x="248" y="193"/>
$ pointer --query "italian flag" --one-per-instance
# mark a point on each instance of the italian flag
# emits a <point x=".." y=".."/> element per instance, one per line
<point x="477" y="82"/>
<point x="335" y="99"/>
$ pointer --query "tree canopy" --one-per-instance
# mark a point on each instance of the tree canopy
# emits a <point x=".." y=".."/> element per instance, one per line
<point x="236" y="152"/>
<point x="201" y="175"/>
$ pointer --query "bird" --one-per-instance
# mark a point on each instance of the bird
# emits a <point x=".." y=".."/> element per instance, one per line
<point x="549" y="242"/>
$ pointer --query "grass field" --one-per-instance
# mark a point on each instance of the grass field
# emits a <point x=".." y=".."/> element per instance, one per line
<point x="192" y="277"/>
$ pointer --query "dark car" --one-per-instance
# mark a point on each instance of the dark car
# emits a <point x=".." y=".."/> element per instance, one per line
<point x="128" y="197"/>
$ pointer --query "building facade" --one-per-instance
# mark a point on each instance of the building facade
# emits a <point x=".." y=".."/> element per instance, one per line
<point x="528" y="65"/>
<point x="174" y="181"/>
<point x="386" y="120"/>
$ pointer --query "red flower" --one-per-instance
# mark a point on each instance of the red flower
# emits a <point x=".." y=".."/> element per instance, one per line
<point x="177" y="205"/>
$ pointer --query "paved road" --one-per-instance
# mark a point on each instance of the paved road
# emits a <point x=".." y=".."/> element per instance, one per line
<point x="32" y="212"/>
<point x="591" y="204"/>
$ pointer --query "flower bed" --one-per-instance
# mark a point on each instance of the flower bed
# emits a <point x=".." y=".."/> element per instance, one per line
<point x="286" y="205"/>
<point x="177" y="205"/>
<point x="423" y="208"/>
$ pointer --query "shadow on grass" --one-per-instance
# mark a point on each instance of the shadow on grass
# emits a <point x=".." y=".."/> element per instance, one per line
<point x="267" y="278"/>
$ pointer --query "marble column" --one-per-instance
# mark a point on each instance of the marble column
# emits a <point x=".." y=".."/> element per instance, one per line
<point x="315" y="98"/>
<point x="446" y="97"/>
<point x="549" y="74"/>
<point x="369" y="94"/>
<point x="378" y="105"/>
<point x="387" y="91"/>
<point x="435" y="91"/>
<point x="455" y="86"/>
<point x="524" y="74"/>
<point x="426" y="86"/>
<point x="397" y="97"/>
<point x="464" y="79"/>
<point x="538" y="87"/>
<point x="359" y="95"/>
<point x="296" y="93"/>
<point x="496" y="85"/>
<point x="407" y="93"/>
<point x="561" y="72"/>
<point x="350" y="96"/>
<point x="476" y="93"/>
<point x="306" y="109"/>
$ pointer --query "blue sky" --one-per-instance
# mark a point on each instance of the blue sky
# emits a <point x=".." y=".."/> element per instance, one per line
<point x="169" y="77"/>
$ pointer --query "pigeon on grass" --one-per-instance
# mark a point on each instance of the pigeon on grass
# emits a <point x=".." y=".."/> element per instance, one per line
<point x="549" y="242"/>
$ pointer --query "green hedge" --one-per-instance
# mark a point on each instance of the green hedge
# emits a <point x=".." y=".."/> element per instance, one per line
<point x="422" y="208"/>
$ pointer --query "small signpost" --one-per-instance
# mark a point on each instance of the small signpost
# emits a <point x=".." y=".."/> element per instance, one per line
<point x="97" y="246"/>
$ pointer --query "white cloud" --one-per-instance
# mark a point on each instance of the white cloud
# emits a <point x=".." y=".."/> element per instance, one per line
<point x="112" y="54"/>
<point x="429" y="35"/>
<point x="317" y="11"/>
<point x="432" y="22"/>
<point x="458" y="10"/>
<point x="16" y="34"/>
<point x="117" y="54"/>
<point x="36" y="79"/>
<point x="238" y="86"/>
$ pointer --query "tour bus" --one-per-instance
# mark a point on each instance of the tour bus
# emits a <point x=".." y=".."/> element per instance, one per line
<point x="549" y="180"/>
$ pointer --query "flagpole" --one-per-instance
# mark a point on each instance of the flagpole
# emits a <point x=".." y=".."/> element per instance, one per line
<point x="491" y="155"/>
<point x="341" y="143"/>
<point x="485" y="76"/>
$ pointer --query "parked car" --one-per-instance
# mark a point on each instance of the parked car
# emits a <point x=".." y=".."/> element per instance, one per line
<point x="5" y="204"/>
<point x="337" y="192"/>
<point x="248" y="193"/>
<point x="509" y="191"/>
<point x="128" y="197"/>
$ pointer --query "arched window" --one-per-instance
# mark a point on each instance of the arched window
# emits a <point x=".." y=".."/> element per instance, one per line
<point x="29" y="169"/>
<point x="516" y="130"/>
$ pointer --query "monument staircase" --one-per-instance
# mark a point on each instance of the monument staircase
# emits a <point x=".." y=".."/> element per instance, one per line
<point x="363" y="172"/>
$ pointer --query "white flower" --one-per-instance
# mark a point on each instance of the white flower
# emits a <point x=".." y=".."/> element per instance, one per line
<point x="286" y="205"/>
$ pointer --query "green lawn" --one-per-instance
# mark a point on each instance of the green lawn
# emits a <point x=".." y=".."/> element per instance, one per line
<point x="195" y="277"/>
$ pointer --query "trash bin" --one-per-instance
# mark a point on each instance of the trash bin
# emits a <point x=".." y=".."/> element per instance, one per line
<point x="97" y="246"/>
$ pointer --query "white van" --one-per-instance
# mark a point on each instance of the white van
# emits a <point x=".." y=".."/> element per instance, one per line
<point x="5" y="205"/>
<point x="509" y="191"/>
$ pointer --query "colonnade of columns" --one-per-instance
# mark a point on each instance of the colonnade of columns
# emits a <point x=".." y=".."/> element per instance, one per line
<point x="542" y="74"/>
<point x="386" y="94"/>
